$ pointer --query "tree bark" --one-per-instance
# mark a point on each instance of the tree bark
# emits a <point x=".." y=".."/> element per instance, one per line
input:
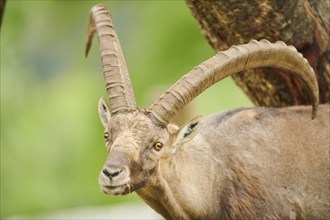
<point x="302" y="23"/>
<point x="2" y="9"/>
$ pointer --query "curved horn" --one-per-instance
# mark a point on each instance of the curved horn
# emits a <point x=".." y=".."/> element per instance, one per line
<point x="237" y="58"/>
<point x="117" y="81"/>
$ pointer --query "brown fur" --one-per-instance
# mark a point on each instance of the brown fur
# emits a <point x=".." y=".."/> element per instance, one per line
<point x="253" y="163"/>
<point x="256" y="163"/>
<point x="245" y="197"/>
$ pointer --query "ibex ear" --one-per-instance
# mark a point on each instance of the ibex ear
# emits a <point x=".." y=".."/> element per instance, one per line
<point x="104" y="112"/>
<point x="188" y="131"/>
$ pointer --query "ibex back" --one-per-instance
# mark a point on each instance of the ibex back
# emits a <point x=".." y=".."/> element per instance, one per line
<point x="249" y="163"/>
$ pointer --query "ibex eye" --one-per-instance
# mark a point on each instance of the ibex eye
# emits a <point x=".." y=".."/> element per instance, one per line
<point x="106" y="135"/>
<point x="158" y="146"/>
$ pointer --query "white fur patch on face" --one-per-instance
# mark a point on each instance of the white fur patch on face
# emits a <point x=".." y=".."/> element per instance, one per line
<point x="172" y="128"/>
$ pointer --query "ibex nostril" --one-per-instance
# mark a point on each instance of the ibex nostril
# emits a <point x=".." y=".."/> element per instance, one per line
<point x="111" y="174"/>
<point x="116" y="173"/>
<point x="106" y="173"/>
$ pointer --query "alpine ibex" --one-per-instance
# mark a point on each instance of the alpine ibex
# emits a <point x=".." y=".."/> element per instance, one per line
<point x="248" y="163"/>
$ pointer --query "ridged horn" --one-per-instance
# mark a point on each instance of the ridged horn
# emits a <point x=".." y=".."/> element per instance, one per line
<point x="117" y="81"/>
<point x="237" y="58"/>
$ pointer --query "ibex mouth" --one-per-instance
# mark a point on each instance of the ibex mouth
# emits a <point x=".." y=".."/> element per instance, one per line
<point x="123" y="189"/>
<point x="115" y="184"/>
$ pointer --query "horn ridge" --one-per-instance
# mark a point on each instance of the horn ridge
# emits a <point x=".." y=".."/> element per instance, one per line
<point x="254" y="54"/>
<point x="118" y="83"/>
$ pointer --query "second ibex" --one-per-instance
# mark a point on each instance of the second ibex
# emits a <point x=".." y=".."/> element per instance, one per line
<point x="248" y="163"/>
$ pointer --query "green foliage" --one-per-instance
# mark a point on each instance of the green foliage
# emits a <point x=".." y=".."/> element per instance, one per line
<point x="51" y="138"/>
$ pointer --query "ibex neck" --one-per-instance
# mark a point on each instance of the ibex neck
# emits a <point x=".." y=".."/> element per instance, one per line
<point x="160" y="197"/>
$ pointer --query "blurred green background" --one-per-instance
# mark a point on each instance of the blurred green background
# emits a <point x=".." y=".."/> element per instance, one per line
<point x="51" y="140"/>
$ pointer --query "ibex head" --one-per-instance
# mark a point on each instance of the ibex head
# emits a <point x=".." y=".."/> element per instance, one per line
<point x="136" y="144"/>
<point x="141" y="141"/>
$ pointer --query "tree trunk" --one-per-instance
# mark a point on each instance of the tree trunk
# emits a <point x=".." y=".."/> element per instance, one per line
<point x="302" y="23"/>
<point x="2" y="9"/>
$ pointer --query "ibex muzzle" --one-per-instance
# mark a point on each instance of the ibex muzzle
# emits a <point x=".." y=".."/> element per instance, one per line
<point x="115" y="175"/>
<point x="253" y="163"/>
